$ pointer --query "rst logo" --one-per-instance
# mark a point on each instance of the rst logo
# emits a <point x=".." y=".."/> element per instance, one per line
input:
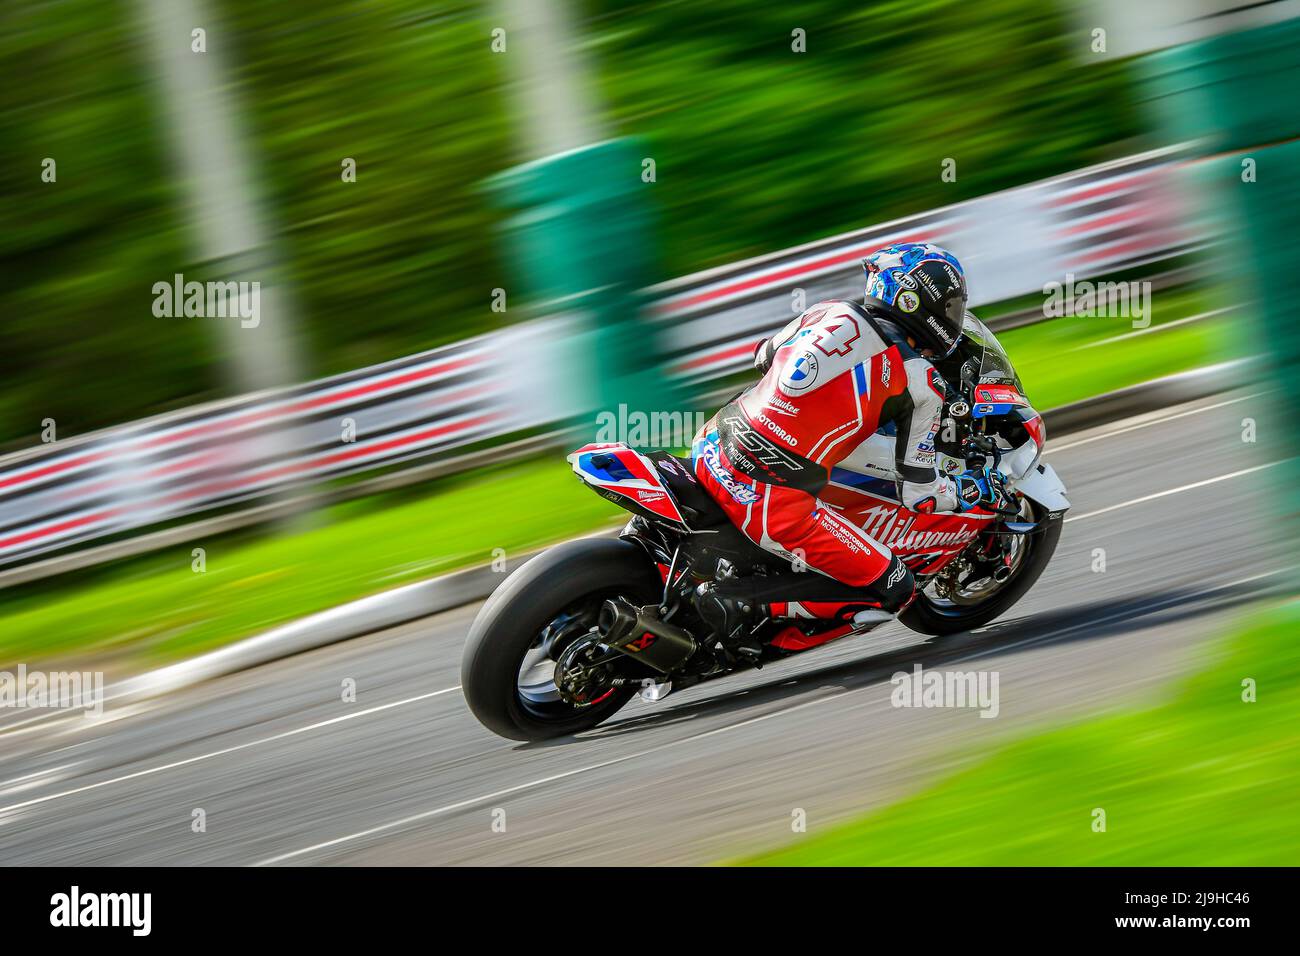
<point x="758" y="448"/>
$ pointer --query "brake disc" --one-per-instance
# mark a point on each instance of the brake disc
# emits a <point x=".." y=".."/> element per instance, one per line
<point x="584" y="670"/>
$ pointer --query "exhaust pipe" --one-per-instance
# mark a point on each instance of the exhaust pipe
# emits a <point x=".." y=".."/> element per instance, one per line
<point x="1002" y="574"/>
<point x="639" y="634"/>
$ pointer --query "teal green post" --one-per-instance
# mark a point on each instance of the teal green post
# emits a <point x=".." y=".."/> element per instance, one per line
<point x="580" y="231"/>
<point x="1238" y="96"/>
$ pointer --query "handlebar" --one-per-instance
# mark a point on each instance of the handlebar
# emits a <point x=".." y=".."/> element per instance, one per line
<point x="977" y="450"/>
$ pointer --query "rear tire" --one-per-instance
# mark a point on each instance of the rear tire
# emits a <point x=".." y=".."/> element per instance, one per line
<point x="508" y="625"/>
<point x="929" y="618"/>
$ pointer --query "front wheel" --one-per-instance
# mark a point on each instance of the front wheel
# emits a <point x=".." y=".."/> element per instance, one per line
<point x="540" y="617"/>
<point x="973" y="604"/>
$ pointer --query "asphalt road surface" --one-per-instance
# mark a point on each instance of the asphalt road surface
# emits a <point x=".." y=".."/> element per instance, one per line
<point x="285" y="772"/>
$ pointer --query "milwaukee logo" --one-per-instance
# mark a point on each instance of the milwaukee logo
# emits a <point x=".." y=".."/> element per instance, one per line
<point x="781" y="406"/>
<point x="892" y="527"/>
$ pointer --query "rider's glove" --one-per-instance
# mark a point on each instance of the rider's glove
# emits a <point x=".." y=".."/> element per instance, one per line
<point x="976" y="487"/>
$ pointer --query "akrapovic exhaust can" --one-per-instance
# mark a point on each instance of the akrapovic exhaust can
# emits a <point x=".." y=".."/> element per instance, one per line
<point x="638" y="633"/>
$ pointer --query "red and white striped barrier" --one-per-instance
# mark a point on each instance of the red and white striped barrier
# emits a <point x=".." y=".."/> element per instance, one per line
<point x="135" y="476"/>
<point x="1093" y="221"/>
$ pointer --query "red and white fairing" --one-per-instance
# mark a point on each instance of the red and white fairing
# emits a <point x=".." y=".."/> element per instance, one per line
<point x="627" y="477"/>
<point x="861" y="488"/>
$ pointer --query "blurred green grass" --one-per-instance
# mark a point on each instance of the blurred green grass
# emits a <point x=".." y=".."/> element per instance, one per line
<point x="157" y="609"/>
<point x="1065" y="360"/>
<point x="1202" y="780"/>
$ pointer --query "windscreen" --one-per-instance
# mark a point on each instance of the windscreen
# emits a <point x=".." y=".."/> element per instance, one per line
<point x="986" y="357"/>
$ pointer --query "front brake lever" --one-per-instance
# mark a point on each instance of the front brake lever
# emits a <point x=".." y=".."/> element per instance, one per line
<point x="977" y="449"/>
<point x="1012" y="509"/>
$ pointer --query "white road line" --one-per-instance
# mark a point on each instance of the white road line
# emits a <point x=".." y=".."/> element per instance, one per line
<point x="223" y="751"/>
<point x="533" y="784"/>
<point x="148" y="771"/>
<point x="1147" y="424"/>
<point x="541" y="781"/>
<point x="1174" y="491"/>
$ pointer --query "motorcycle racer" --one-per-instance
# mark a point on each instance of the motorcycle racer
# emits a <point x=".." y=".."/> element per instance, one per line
<point x="710" y="574"/>
<point x="831" y="378"/>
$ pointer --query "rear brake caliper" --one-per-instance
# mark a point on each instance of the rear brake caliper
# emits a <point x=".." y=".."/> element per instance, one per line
<point x="585" y="671"/>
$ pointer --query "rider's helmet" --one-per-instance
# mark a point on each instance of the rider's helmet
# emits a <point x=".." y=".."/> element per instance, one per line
<point x="922" y="288"/>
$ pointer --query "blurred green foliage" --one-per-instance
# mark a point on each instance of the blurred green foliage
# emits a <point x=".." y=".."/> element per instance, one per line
<point x="757" y="148"/>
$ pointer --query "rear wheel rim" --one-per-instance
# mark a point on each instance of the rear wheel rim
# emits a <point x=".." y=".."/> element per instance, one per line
<point x="535" y="685"/>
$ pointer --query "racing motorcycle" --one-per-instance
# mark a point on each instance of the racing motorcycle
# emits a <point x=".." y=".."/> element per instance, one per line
<point x="570" y="636"/>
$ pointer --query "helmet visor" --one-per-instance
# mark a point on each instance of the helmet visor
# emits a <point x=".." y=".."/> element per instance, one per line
<point x="954" y="311"/>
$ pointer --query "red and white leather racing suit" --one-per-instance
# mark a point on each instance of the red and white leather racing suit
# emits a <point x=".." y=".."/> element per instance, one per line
<point x="838" y="374"/>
